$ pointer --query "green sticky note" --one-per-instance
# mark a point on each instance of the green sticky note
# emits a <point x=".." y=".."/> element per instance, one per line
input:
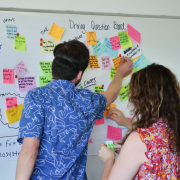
<point x="124" y="92"/>
<point x="125" y="40"/>
<point x="85" y="69"/>
<point x="43" y="80"/>
<point x="46" y="67"/>
<point x="98" y="89"/>
<point x="20" y="43"/>
<point x="137" y="69"/>
<point x="112" y="73"/>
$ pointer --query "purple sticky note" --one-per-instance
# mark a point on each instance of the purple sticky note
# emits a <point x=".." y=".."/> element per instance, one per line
<point x="106" y="63"/>
<point x="136" y="35"/>
<point x="115" y="43"/>
<point x="86" y="44"/>
<point x="26" y="83"/>
<point x="21" y="69"/>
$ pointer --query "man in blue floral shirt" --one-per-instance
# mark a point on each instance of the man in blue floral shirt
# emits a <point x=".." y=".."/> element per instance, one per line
<point x="57" y="119"/>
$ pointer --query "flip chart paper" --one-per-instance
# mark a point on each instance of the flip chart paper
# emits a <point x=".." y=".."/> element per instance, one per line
<point x="44" y="80"/>
<point x="125" y="40"/>
<point x="108" y="108"/>
<point x="108" y="48"/>
<point x="21" y="69"/>
<point x="93" y="61"/>
<point x="112" y="73"/>
<point x="124" y="92"/>
<point x="116" y="62"/>
<point x="115" y="44"/>
<point x="114" y="133"/>
<point x="20" y="43"/>
<point x="48" y="45"/>
<point x="98" y="48"/>
<point x="56" y="32"/>
<point x="91" y="38"/>
<point x="106" y="64"/>
<point x="136" y="35"/>
<point x="98" y="89"/>
<point x="26" y="83"/>
<point x="11" y="102"/>
<point x="14" y="114"/>
<point x="46" y="67"/>
<point x="8" y="76"/>
<point x="11" y="31"/>
<point x="86" y="44"/>
<point x="98" y="122"/>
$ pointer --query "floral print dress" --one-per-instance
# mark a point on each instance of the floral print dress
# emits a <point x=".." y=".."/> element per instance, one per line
<point x="163" y="160"/>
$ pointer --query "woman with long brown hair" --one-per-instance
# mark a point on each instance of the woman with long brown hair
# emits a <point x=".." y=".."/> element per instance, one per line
<point x="151" y="150"/>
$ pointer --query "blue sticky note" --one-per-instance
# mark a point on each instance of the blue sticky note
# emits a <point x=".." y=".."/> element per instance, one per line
<point x="107" y="46"/>
<point x="98" y="48"/>
<point x="11" y="31"/>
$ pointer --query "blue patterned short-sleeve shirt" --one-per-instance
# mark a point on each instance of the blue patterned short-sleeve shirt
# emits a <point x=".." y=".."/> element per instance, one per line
<point x="61" y="117"/>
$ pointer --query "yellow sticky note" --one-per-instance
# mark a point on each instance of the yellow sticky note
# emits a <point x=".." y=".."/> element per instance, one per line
<point x="116" y="62"/>
<point x="56" y="31"/>
<point x="108" y="108"/>
<point x="14" y="114"/>
<point x="93" y="61"/>
<point x="135" y="58"/>
<point x="91" y="38"/>
<point x="48" y="45"/>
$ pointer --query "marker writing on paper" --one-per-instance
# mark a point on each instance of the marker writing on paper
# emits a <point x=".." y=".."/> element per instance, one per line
<point x="45" y="30"/>
<point x="8" y="20"/>
<point x="119" y="26"/>
<point x="95" y="26"/>
<point x="80" y="26"/>
<point x="91" y="82"/>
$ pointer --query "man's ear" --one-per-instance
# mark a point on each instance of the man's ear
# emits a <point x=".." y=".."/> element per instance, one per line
<point x="79" y="75"/>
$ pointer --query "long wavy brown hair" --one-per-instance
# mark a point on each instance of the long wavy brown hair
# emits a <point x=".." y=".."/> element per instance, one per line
<point x="154" y="93"/>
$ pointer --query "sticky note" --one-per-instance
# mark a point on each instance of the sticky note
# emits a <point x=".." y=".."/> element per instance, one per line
<point x="85" y="69"/>
<point x="56" y="32"/>
<point x="90" y="141"/>
<point x="114" y="133"/>
<point x="106" y="64"/>
<point x="136" y="35"/>
<point x="46" y="67"/>
<point x="86" y="44"/>
<point x="93" y="61"/>
<point x="14" y="114"/>
<point x="43" y="80"/>
<point x="11" y="102"/>
<point x="11" y="31"/>
<point x="8" y="76"/>
<point x="115" y="44"/>
<point x="21" y="69"/>
<point x="107" y="46"/>
<point x="98" y="89"/>
<point x="98" y="48"/>
<point x="112" y="73"/>
<point x="135" y="58"/>
<point x="20" y="43"/>
<point x="110" y="145"/>
<point x="108" y="108"/>
<point x="98" y="122"/>
<point x="48" y="45"/>
<point x="91" y="38"/>
<point x="116" y="62"/>
<point x="137" y="69"/>
<point x="124" y="92"/>
<point x="26" y="83"/>
<point x="125" y="40"/>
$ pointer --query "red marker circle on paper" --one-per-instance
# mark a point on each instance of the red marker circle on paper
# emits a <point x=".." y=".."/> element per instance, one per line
<point x="16" y="76"/>
<point x="17" y="34"/>
<point x="102" y="86"/>
<point x="41" y="44"/>
<point x="41" y="39"/>
<point x="119" y="55"/>
<point x="16" y="105"/>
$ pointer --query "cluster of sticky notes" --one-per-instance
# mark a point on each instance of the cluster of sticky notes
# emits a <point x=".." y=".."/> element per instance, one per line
<point x="124" y="92"/>
<point x="99" y="122"/>
<point x="136" y="35"/>
<point x="106" y="63"/>
<point x="14" y="114"/>
<point x="46" y="67"/>
<point x="125" y="40"/>
<point x="21" y="69"/>
<point x="98" y="89"/>
<point x="48" y="45"/>
<point x="56" y="32"/>
<point x="26" y="83"/>
<point x="8" y="76"/>
<point x="115" y="43"/>
<point x="93" y="61"/>
<point x="91" y="38"/>
<point x="110" y="145"/>
<point x="11" y="102"/>
<point x="11" y="31"/>
<point x="114" y="133"/>
<point x="112" y="73"/>
<point x="20" y="43"/>
<point x="44" y="80"/>
<point x="98" y="48"/>
<point x="116" y="62"/>
<point x="108" y="108"/>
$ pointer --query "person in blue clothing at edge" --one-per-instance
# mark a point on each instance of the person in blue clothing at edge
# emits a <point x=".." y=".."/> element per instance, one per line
<point x="57" y="119"/>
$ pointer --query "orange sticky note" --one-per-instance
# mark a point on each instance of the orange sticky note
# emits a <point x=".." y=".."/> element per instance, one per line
<point x="116" y="62"/>
<point x="91" y="38"/>
<point x="93" y="61"/>
<point x="108" y="108"/>
<point x="11" y="102"/>
<point x="56" y="31"/>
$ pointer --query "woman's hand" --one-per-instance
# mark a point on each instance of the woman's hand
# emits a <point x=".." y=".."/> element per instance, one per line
<point x="105" y="153"/>
<point x="118" y="146"/>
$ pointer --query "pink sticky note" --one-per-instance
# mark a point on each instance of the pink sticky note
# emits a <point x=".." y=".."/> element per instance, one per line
<point x="136" y="35"/>
<point x="11" y="102"/>
<point x="114" y="133"/>
<point x="21" y="69"/>
<point x="115" y="43"/>
<point x="86" y="44"/>
<point x="26" y="83"/>
<point x="98" y="122"/>
<point x="90" y="141"/>
<point x="106" y="63"/>
<point x="8" y="76"/>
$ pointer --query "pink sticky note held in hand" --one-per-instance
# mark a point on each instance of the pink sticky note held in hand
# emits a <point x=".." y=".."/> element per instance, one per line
<point x="98" y="122"/>
<point x="114" y="133"/>
<point x="115" y="43"/>
<point x="11" y="102"/>
<point x="8" y="76"/>
<point x="136" y="35"/>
